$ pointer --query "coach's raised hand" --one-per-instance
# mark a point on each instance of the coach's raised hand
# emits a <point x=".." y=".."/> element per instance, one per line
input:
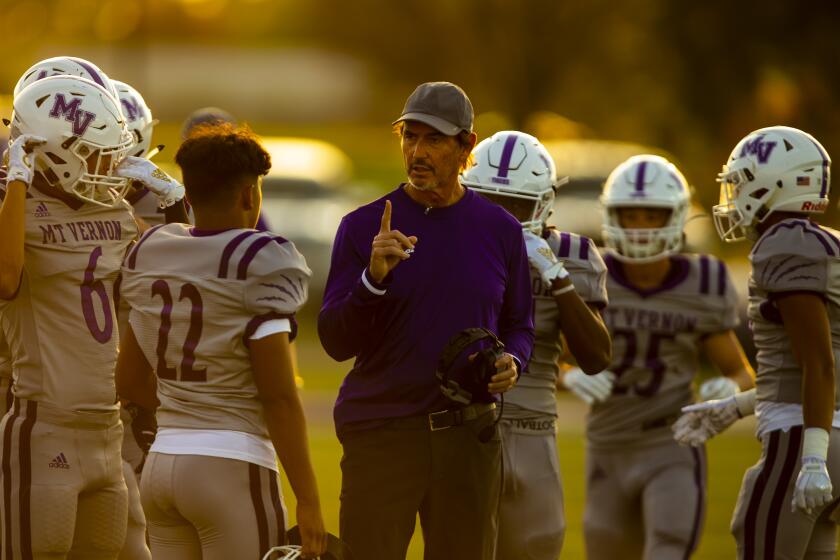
<point x="389" y="247"/>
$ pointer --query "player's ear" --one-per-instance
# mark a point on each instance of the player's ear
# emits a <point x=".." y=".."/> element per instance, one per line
<point x="248" y="196"/>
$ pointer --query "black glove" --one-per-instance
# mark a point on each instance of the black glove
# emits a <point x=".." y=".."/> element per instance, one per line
<point x="143" y="426"/>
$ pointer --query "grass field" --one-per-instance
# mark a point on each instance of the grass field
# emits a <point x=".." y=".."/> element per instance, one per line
<point x="729" y="456"/>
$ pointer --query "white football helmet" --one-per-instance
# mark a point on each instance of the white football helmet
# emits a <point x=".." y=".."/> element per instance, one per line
<point x="65" y="66"/>
<point x="514" y="170"/>
<point x="86" y="136"/>
<point x="138" y="117"/>
<point x="774" y="169"/>
<point x="645" y="181"/>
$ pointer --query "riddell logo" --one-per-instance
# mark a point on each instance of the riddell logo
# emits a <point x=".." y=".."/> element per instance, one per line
<point x="41" y="211"/>
<point x="814" y="206"/>
<point x="60" y="462"/>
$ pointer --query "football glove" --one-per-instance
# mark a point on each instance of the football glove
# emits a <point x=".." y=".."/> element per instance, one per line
<point x="702" y="421"/>
<point x="589" y="388"/>
<point x="20" y="164"/>
<point x="813" y="486"/>
<point x="143" y="426"/>
<point x="543" y="258"/>
<point x="168" y="190"/>
<point x="718" y="388"/>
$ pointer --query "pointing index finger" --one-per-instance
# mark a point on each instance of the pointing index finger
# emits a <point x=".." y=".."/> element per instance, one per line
<point x="385" y="225"/>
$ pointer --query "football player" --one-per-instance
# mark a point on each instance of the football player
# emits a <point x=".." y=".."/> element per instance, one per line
<point x="664" y="309"/>
<point x="567" y="274"/>
<point x="212" y="315"/>
<point x="64" y="231"/>
<point x="775" y="180"/>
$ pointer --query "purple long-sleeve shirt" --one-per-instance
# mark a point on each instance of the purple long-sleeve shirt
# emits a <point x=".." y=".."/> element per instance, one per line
<point x="469" y="269"/>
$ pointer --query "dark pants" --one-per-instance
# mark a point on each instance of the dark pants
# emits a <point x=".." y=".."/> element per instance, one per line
<point x="391" y="473"/>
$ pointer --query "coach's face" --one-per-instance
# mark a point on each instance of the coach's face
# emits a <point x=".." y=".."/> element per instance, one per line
<point x="431" y="157"/>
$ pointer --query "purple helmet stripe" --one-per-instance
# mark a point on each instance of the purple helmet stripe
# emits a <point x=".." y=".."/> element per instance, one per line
<point x="704" y="274"/>
<point x="507" y="152"/>
<point x="92" y="71"/>
<point x="640" y="177"/>
<point x="721" y="278"/>
<point x="565" y="245"/>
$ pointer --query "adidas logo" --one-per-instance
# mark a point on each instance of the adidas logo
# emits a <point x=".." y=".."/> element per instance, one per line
<point x="60" y="462"/>
<point x="41" y="211"/>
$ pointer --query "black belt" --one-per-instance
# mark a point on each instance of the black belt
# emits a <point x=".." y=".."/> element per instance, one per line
<point x="457" y="416"/>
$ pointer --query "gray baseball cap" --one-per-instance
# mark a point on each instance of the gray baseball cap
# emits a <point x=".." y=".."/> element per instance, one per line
<point x="441" y="105"/>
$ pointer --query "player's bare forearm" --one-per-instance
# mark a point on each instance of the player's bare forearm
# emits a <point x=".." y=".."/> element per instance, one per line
<point x="806" y="323"/>
<point x="726" y="353"/>
<point x="287" y="428"/>
<point x="134" y="377"/>
<point x="586" y="335"/>
<point x="274" y="376"/>
<point x="12" y="221"/>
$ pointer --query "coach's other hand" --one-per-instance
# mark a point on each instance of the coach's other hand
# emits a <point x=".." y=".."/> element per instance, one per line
<point x="813" y="486"/>
<point x="506" y="377"/>
<point x="389" y="247"/>
<point x="589" y="388"/>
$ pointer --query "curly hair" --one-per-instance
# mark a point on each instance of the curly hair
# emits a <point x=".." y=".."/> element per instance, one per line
<point x="216" y="158"/>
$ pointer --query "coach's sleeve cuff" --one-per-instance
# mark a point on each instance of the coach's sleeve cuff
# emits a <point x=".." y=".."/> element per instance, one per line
<point x="374" y="287"/>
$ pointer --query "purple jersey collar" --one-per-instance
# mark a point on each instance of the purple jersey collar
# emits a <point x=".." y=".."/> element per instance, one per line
<point x="676" y="275"/>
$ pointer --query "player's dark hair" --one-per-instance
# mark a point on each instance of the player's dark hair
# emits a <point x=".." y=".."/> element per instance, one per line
<point x="216" y="158"/>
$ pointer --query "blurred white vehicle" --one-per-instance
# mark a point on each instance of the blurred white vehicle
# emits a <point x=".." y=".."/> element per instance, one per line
<point x="305" y="195"/>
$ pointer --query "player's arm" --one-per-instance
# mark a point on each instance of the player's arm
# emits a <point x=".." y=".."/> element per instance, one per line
<point x="726" y="353"/>
<point x="586" y="335"/>
<point x="135" y="378"/>
<point x="806" y="323"/>
<point x="11" y="238"/>
<point x="274" y="376"/>
<point x="12" y="214"/>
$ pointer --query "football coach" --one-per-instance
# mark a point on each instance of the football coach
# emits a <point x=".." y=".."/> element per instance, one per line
<point x="409" y="271"/>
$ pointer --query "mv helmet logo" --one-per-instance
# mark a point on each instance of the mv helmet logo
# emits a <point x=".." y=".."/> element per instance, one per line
<point x="72" y="112"/>
<point x="759" y="148"/>
<point x="132" y="108"/>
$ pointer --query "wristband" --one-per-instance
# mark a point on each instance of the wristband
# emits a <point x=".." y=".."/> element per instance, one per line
<point x="815" y="443"/>
<point x="563" y="290"/>
<point x="745" y="402"/>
